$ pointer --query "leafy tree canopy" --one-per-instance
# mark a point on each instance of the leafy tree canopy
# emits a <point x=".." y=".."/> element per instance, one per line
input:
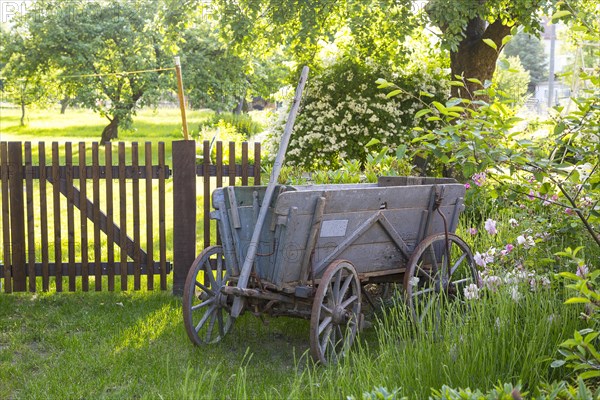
<point x="472" y="31"/>
<point x="217" y="77"/>
<point x="91" y="44"/>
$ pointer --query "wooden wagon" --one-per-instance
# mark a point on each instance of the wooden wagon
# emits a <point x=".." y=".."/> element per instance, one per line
<point x="318" y="247"/>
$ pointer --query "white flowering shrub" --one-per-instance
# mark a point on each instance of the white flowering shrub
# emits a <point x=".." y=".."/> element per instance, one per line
<point x="343" y="109"/>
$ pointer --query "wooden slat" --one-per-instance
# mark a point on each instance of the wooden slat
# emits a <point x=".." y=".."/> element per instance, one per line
<point x="110" y="238"/>
<point x="123" y="215"/>
<point x="5" y="218"/>
<point x="219" y="164"/>
<point x="136" y="215"/>
<point x="62" y="172"/>
<point x="206" y="184"/>
<point x="44" y="217"/>
<point x="257" y="163"/>
<point x="70" y="215"/>
<point x="96" y="208"/>
<point x="17" y="216"/>
<point x="30" y="219"/>
<point x="244" y="163"/>
<point x="85" y="282"/>
<point x="149" y="219"/>
<point x="91" y="268"/>
<point x="57" y="210"/>
<point x="232" y="171"/>
<point x="162" y="228"/>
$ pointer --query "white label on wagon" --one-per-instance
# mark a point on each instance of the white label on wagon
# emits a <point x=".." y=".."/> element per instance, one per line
<point x="334" y="228"/>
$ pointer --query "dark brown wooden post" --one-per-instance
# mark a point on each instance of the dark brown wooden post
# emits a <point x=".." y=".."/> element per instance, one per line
<point x="17" y="215"/>
<point x="206" y="191"/>
<point x="184" y="211"/>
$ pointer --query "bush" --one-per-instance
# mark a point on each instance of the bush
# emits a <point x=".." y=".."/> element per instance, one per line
<point x="343" y="109"/>
<point x="242" y="123"/>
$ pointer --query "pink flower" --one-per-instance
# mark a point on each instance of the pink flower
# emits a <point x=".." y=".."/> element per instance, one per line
<point x="509" y="247"/>
<point x="531" y="194"/>
<point x="467" y="185"/>
<point x="479" y="178"/>
<point x="569" y="211"/>
<point x="473" y="231"/>
<point x="546" y="201"/>
<point x="490" y="226"/>
<point x="582" y="271"/>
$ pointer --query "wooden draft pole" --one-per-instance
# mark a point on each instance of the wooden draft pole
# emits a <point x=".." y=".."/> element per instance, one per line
<point x="181" y="97"/>
<point x="238" y="303"/>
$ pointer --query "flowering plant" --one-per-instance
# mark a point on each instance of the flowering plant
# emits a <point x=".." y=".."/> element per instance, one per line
<point x="343" y="110"/>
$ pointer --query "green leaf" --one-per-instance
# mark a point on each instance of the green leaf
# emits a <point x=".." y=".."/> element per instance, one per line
<point x="577" y="300"/>
<point x="441" y="108"/>
<point x="491" y="43"/>
<point x="591" y="336"/>
<point x="560" y="14"/>
<point x="589" y="374"/>
<point x="401" y="151"/>
<point x="393" y="93"/>
<point x="372" y="142"/>
<point x="422" y="112"/>
<point x="469" y="168"/>
<point x="545" y="188"/>
<point x="557" y="363"/>
<point x="506" y="39"/>
<point x="474" y="80"/>
<point x="422" y="93"/>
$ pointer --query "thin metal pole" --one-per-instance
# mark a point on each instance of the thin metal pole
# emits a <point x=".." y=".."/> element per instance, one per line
<point x="181" y="97"/>
<point x="238" y="303"/>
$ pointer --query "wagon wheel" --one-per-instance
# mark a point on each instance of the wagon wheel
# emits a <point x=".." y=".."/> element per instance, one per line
<point x="335" y="314"/>
<point x="436" y="271"/>
<point x="205" y="309"/>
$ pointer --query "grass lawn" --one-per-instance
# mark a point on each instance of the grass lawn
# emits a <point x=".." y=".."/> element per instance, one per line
<point x="133" y="344"/>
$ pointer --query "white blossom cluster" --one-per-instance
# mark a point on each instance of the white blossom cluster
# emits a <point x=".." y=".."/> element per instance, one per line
<point x="342" y="110"/>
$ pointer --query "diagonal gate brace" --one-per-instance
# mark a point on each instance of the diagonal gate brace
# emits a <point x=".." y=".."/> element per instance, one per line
<point x="103" y="222"/>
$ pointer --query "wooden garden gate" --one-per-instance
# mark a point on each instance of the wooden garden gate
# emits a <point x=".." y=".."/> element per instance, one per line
<point x="90" y="217"/>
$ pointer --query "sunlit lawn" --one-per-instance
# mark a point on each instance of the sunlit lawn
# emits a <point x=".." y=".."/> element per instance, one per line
<point x="133" y="345"/>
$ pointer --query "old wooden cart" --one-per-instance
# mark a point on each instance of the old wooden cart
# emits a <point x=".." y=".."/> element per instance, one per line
<point x="318" y="248"/>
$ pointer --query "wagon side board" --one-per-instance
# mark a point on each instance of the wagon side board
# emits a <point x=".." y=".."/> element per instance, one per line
<point x="374" y="228"/>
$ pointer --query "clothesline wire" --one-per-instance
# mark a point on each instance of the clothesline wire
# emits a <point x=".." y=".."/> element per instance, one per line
<point x="119" y="73"/>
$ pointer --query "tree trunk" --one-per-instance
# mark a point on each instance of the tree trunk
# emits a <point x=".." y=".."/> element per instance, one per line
<point x="22" y="113"/>
<point x="240" y="106"/>
<point x="64" y="103"/>
<point x="474" y="58"/>
<point x="110" y="131"/>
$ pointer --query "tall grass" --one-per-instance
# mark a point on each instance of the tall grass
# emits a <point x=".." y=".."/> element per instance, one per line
<point x="494" y="339"/>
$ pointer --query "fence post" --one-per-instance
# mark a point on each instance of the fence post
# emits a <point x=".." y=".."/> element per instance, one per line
<point x="17" y="215"/>
<point x="184" y="211"/>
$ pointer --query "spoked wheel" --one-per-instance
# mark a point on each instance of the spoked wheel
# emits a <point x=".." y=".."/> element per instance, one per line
<point x="206" y="312"/>
<point x="335" y="314"/>
<point x="438" y="270"/>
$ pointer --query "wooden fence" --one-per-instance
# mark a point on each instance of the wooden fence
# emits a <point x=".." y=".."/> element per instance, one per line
<point x="86" y="220"/>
